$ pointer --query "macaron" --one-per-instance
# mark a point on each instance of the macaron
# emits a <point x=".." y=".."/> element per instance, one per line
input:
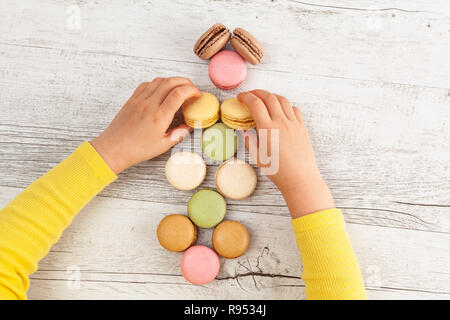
<point x="230" y="239"/>
<point x="211" y="41"/>
<point x="207" y="208"/>
<point x="200" y="265"/>
<point x="176" y="232"/>
<point x="236" y="179"/>
<point x="201" y="112"/>
<point x="236" y="115"/>
<point x="247" y="46"/>
<point x="227" y="70"/>
<point x="185" y="170"/>
<point x="219" y="142"/>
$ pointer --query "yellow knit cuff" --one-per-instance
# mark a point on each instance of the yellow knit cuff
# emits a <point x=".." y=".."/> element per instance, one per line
<point x="87" y="151"/>
<point x="317" y="220"/>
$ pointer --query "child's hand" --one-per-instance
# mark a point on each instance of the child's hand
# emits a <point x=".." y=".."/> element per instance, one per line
<point x="298" y="177"/>
<point x="139" y="130"/>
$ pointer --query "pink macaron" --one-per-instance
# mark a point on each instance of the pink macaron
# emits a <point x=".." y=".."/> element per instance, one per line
<point x="227" y="70"/>
<point x="200" y="265"/>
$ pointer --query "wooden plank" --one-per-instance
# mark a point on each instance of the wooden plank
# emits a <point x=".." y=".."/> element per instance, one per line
<point x="373" y="83"/>
<point x="382" y="148"/>
<point x="56" y="289"/>
<point x="114" y="245"/>
<point x="390" y="41"/>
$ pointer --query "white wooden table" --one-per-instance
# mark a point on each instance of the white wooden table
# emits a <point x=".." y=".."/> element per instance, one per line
<point x="371" y="77"/>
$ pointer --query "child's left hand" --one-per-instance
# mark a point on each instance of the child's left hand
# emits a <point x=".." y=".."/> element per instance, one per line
<point x="139" y="131"/>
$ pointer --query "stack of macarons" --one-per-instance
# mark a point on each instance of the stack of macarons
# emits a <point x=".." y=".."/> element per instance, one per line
<point x="227" y="68"/>
<point x="234" y="179"/>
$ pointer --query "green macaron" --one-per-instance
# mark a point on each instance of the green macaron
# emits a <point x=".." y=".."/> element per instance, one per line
<point x="219" y="142"/>
<point x="207" y="208"/>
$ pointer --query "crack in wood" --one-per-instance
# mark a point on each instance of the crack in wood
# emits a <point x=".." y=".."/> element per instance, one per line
<point x="423" y="204"/>
<point x="115" y="281"/>
<point x="264" y="250"/>
<point x="420" y="221"/>
<point x="361" y="9"/>
<point x="407" y="289"/>
<point x="235" y="277"/>
<point x="258" y="274"/>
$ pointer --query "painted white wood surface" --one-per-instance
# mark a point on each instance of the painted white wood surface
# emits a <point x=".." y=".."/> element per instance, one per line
<point x="371" y="77"/>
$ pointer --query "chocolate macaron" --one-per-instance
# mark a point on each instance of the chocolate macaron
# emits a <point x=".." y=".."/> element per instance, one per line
<point x="247" y="46"/>
<point x="210" y="42"/>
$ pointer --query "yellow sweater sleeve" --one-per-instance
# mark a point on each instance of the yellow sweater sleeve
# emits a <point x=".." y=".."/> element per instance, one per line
<point x="32" y="222"/>
<point x="330" y="268"/>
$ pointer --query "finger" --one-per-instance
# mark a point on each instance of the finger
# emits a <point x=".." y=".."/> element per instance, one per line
<point x="148" y="89"/>
<point x="298" y="114"/>
<point x="177" y="134"/>
<point x="176" y="98"/>
<point x="166" y="86"/>
<point x="251" y="144"/>
<point x="271" y="102"/>
<point x="257" y="108"/>
<point x="286" y="106"/>
<point x="139" y="89"/>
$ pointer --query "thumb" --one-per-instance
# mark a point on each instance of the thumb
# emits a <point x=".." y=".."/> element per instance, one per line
<point x="251" y="144"/>
<point x="177" y="134"/>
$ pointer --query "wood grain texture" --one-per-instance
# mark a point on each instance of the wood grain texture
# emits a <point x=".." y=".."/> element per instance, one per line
<point x="373" y="83"/>
<point x="396" y="41"/>
<point x="119" y="252"/>
<point x="361" y="131"/>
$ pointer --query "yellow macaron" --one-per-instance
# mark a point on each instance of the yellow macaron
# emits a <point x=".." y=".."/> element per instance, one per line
<point x="201" y="112"/>
<point x="236" y="115"/>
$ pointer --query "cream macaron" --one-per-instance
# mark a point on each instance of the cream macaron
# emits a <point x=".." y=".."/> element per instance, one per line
<point x="236" y="179"/>
<point x="236" y="115"/>
<point x="185" y="170"/>
<point x="201" y="112"/>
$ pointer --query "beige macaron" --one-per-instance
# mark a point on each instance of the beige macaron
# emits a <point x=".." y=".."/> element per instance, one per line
<point x="236" y="179"/>
<point x="185" y="170"/>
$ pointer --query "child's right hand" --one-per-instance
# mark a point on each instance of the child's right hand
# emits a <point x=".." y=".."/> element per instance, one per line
<point x="298" y="177"/>
<point x="139" y="131"/>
